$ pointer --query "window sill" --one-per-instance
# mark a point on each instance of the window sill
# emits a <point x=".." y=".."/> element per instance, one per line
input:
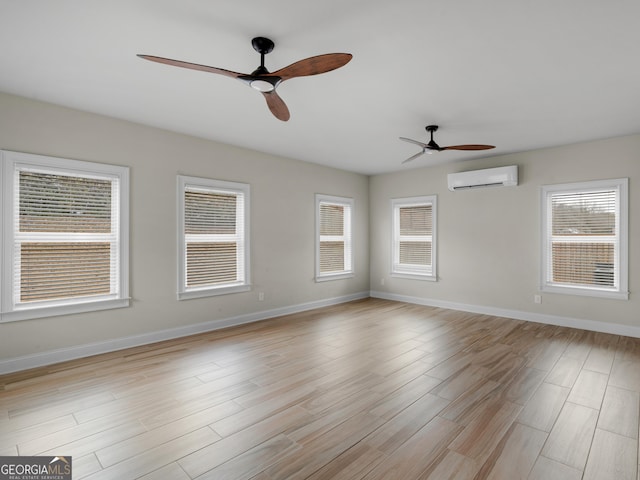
<point x="213" y="292"/>
<point x="415" y="276"/>
<point x="585" y="292"/>
<point x="334" y="276"/>
<point x="30" y="312"/>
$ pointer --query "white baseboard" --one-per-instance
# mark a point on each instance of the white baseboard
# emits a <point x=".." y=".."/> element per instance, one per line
<point x="81" y="351"/>
<point x="604" y="327"/>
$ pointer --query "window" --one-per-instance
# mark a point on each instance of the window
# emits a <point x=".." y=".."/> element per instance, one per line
<point x="414" y="237"/>
<point x="333" y="237"/>
<point x="584" y="238"/>
<point x="65" y="247"/>
<point x="213" y="221"/>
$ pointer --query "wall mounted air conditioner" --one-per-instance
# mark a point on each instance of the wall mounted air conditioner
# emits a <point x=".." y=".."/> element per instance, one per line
<point x="489" y="177"/>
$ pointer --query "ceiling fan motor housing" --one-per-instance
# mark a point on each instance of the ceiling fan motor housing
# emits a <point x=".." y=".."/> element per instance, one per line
<point x="432" y="144"/>
<point x="259" y="78"/>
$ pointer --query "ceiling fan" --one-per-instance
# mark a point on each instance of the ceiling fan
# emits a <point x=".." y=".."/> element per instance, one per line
<point x="264" y="81"/>
<point x="432" y="146"/>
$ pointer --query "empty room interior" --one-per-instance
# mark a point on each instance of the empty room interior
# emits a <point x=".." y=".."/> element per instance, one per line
<point x="414" y="257"/>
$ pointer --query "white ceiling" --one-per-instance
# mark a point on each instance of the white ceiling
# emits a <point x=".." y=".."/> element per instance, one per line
<point x="516" y="74"/>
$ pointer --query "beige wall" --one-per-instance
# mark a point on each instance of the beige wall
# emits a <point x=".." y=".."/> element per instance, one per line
<point x="489" y="239"/>
<point x="282" y="224"/>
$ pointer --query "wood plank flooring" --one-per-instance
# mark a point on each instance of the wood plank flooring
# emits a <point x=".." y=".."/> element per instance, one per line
<point x="372" y="389"/>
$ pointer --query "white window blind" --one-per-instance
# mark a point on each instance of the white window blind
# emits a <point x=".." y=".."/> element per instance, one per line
<point x="584" y="238"/>
<point x="214" y="241"/>
<point x="334" y="238"/>
<point x="413" y="237"/>
<point x="66" y="242"/>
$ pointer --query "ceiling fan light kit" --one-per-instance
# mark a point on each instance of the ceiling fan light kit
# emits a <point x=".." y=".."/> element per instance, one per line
<point x="432" y="146"/>
<point x="264" y="81"/>
<point x="262" y="86"/>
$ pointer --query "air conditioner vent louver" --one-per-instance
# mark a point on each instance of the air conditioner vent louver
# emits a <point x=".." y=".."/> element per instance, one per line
<point x="489" y="177"/>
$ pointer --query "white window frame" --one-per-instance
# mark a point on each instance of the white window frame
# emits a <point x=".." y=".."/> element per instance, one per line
<point x="11" y="308"/>
<point x="416" y="272"/>
<point x="620" y="288"/>
<point x="347" y="237"/>
<point x="242" y="237"/>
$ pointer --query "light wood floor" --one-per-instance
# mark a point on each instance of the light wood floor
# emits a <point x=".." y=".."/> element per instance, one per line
<point x="366" y="390"/>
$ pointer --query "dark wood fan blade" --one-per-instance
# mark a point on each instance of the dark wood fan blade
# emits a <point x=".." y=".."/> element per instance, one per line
<point x="192" y="66"/>
<point x="468" y="147"/>
<point x="277" y="105"/>
<point x="413" y="157"/>
<point x="423" y="145"/>
<point x="314" y="65"/>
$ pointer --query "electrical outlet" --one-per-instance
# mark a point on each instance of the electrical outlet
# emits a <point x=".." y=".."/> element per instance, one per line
<point x="260" y="296"/>
<point x="382" y="282"/>
<point x="537" y="298"/>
